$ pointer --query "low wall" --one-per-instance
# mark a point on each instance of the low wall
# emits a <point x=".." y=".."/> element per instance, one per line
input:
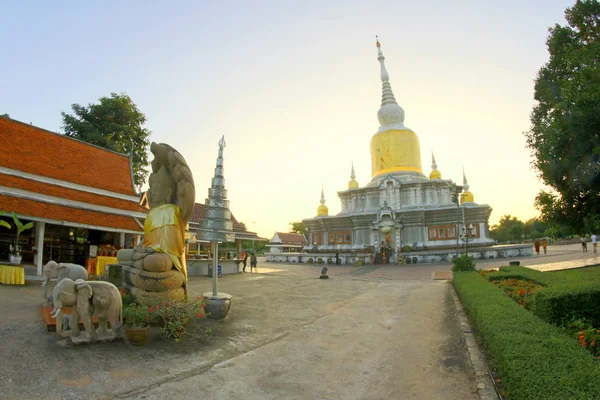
<point x="431" y="256"/>
<point x="203" y="267"/>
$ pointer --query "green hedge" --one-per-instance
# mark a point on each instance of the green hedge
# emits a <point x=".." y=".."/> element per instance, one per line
<point x="536" y="360"/>
<point x="561" y="304"/>
<point x="568" y="295"/>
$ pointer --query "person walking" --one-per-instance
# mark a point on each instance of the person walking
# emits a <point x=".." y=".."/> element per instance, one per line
<point x="594" y="242"/>
<point x="544" y="245"/>
<point x="536" y="244"/>
<point x="244" y="261"/>
<point x="253" y="263"/>
<point x="583" y="244"/>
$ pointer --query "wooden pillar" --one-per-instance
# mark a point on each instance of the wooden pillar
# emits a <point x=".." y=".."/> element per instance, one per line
<point x="39" y="244"/>
<point x="122" y="240"/>
<point x="238" y="247"/>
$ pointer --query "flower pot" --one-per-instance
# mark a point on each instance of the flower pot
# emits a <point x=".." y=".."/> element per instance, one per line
<point x="138" y="336"/>
<point x="15" y="260"/>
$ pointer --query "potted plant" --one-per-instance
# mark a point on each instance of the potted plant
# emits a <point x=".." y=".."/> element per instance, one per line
<point x="15" y="251"/>
<point x="137" y="320"/>
<point x="174" y="317"/>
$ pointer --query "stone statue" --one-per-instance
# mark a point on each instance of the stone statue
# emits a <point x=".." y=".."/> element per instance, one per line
<point x="88" y="298"/>
<point x="61" y="271"/>
<point x="324" y="273"/>
<point x="157" y="265"/>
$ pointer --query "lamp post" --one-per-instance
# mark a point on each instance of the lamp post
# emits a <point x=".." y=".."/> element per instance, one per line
<point x="456" y="199"/>
<point x="468" y="230"/>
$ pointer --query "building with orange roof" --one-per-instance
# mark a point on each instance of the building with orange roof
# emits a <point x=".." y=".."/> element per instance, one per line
<point x="79" y="195"/>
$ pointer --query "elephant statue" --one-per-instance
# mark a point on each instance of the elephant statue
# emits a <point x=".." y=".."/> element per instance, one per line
<point x="88" y="298"/>
<point x="61" y="271"/>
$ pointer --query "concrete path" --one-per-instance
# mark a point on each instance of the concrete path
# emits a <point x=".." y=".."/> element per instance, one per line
<point x="370" y="332"/>
<point x="398" y="340"/>
<point x="289" y="335"/>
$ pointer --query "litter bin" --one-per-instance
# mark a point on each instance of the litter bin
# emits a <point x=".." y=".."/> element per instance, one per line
<point x="210" y="270"/>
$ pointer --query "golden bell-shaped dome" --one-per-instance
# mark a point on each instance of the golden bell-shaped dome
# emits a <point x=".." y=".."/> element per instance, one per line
<point x="353" y="183"/>
<point x="322" y="210"/>
<point x="467" y="197"/>
<point x="435" y="174"/>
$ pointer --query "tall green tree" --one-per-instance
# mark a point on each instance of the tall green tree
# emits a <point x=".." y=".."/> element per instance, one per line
<point x="508" y="229"/>
<point x="5" y="116"/>
<point x="565" y="133"/>
<point x="114" y="123"/>
<point x="297" y="227"/>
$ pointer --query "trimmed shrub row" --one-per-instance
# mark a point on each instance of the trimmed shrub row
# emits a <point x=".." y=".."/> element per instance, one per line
<point x="567" y="295"/>
<point x="561" y="304"/>
<point x="536" y="360"/>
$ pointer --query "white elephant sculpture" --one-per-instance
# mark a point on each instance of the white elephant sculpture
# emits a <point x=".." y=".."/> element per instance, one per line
<point x="61" y="271"/>
<point x="88" y="298"/>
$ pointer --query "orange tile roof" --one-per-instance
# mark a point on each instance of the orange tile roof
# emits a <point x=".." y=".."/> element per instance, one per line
<point x="37" y="151"/>
<point x="71" y="194"/>
<point x="61" y="213"/>
<point x="291" y="238"/>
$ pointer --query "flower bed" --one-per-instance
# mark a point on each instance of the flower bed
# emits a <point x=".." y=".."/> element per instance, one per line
<point x="535" y="359"/>
<point x="520" y="290"/>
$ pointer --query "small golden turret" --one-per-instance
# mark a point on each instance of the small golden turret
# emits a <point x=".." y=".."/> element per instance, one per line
<point x="353" y="183"/>
<point x="466" y="196"/>
<point x="435" y="173"/>
<point x="322" y="210"/>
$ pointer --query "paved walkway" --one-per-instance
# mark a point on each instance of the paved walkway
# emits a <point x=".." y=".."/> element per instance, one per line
<point x="382" y="332"/>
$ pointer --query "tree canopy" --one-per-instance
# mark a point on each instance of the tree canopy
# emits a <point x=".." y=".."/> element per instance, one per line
<point x="508" y="229"/>
<point x="565" y="133"/>
<point x="114" y="123"/>
<point x="5" y="116"/>
<point x="297" y="227"/>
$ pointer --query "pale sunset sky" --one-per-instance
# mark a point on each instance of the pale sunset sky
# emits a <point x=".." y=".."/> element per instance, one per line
<point x="294" y="86"/>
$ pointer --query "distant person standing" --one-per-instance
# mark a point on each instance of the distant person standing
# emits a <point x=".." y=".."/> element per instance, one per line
<point x="583" y="244"/>
<point x="253" y="263"/>
<point x="536" y="244"/>
<point x="544" y="245"/>
<point x="594" y="242"/>
<point x="244" y="261"/>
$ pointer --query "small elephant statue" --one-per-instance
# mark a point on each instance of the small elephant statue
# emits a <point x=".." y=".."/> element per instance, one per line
<point x="88" y="298"/>
<point x="61" y="271"/>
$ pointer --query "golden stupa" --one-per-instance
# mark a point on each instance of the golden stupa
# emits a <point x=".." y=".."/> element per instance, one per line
<point x="394" y="147"/>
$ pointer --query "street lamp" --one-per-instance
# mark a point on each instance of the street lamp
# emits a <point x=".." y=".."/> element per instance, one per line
<point x="468" y="230"/>
<point x="456" y="199"/>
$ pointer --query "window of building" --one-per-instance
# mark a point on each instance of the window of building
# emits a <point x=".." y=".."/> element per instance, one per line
<point x="432" y="233"/>
<point x="452" y="232"/>
<point x="442" y="233"/>
<point x="316" y="238"/>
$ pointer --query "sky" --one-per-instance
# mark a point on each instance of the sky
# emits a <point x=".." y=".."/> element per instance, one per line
<point x="294" y="87"/>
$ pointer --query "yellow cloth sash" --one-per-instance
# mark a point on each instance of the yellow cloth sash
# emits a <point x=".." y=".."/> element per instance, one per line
<point x="164" y="231"/>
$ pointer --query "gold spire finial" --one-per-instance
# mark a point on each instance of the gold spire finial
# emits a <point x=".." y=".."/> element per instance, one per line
<point x="377" y="39"/>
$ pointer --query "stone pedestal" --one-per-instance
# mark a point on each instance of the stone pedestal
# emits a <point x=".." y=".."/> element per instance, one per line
<point x="217" y="306"/>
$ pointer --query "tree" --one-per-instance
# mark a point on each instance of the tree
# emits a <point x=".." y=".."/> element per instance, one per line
<point x="243" y="226"/>
<point x="5" y="116"/>
<point x="534" y="228"/>
<point x="115" y="123"/>
<point x="508" y="229"/>
<point x="564" y="137"/>
<point x="298" y="227"/>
